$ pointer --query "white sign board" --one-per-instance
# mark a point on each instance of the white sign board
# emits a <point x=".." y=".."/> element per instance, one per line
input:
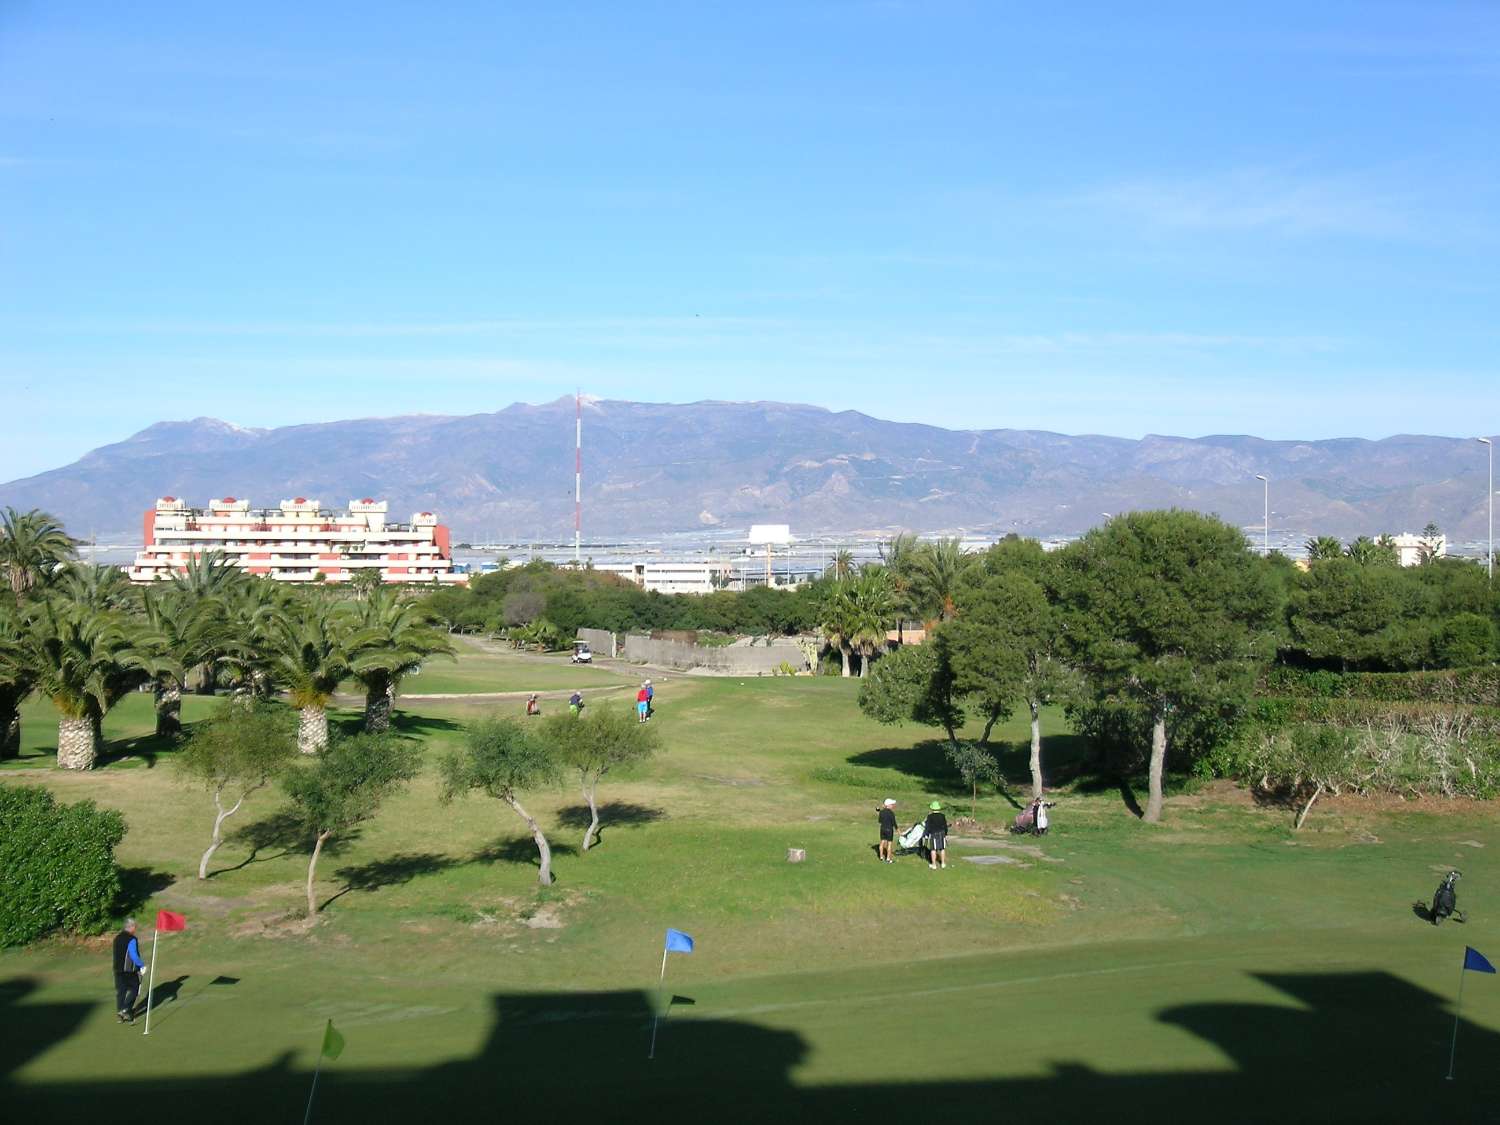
<point x="777" y="534"/>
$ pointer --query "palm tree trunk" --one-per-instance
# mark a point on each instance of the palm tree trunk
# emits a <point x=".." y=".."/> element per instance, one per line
<point x="168" y="708"/>
<point x="544" y="876"/>
<point x="312" y="873"/>
<point x="380" y="701"/>
<point x="1036" y="748"/>
<point x="1158" y="765"/>
<point x="844" y="656"/>
<point x="10" y="731"/>
<point x="77" y="744"/>
<point x="312" y="729"/>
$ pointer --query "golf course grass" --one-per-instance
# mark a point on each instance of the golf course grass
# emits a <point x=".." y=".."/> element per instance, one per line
<point x="1215" y="967"/>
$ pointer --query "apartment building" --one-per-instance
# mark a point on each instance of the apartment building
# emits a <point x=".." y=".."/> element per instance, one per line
<point x="298" y="541"/>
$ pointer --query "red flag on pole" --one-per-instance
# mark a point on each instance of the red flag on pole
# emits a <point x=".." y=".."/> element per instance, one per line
<point x="167" y="922"/>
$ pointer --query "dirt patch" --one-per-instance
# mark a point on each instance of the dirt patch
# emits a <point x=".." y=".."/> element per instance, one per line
<point x="546" y="918"/>
<point x="735" y="782"/>
<point x="1470" y="844"/>
<point x="279" y="925"/>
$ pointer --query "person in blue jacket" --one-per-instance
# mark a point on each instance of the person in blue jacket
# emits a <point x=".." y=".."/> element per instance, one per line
<point x="128" y="967"/>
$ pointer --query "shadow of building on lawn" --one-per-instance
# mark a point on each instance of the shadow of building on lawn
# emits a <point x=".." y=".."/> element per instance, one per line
<point x="1360" y="1047"/>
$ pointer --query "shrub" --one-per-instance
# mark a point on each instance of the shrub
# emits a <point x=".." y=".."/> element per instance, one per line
<point x="1476" y="686"/>
<point x="59" y="865"/>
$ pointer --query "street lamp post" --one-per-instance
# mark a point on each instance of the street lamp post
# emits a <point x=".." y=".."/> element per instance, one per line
<point x="1265" y="527"/>
<point x="1489" y="501"/>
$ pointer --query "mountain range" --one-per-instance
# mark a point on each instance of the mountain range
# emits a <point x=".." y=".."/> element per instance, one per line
<point x="653" y="468"/>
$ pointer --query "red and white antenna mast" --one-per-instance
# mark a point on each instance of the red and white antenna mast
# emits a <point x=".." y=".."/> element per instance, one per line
<point x="578" y="480"/>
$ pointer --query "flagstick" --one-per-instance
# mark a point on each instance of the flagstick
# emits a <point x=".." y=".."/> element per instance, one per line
<point x="306" y="1117"/>
<point x="151" y="982"/>
<point x="656" y="1015"/>
<point x="1453" y="1050"/>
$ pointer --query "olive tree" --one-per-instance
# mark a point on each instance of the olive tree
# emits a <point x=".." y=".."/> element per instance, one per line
<point x="977" y="766"/>
<point x="344" y="785"/>
<point x="591" y="746"/>
<point x="503" y="760"/>
<point x="234" y="754"/>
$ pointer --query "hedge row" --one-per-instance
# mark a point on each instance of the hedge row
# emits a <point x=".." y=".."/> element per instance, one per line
<point x="1282" y="711"/>
<point x="58" y="865"/>
<point x="1475" y="686"/>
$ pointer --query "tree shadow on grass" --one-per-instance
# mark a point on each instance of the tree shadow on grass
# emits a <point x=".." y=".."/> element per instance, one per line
<point x="615" y="814"/>
<point x="281" y="833"/>
<point x="145" y="748"/>
<point x="927" y="761"/>
<point x="137" y="885"/>
<point x="390" y="872"/>
<point x="520" y="849"/>
<point x="419" y="726"/>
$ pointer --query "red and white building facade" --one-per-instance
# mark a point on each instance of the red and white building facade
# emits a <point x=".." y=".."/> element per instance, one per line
<point x="296" y="542"/>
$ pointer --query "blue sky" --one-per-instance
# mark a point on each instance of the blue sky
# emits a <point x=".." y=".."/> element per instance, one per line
<point x="1199" y="218"/>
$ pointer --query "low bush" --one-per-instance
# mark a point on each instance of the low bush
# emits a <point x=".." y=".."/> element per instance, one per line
<point x="1474" y="686"/>
<point x="58" y="863"/>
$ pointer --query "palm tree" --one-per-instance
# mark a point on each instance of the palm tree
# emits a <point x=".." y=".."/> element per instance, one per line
<point x="191" y="632"/>
<point x="244" y="640"/>
<point x="1367" y="550"/>
<point x="32" y="546"/>
<point x="17" y="678"/>
<point x="1324" y="547"/>
<point x="899" y="557"/>
<point x="85" y="660"/>
<point x="390" y="640"/>
<point x="101" y="588"/>
<point x="937" y="568"/>
<point x="310" y="657"/>
<point x="837" y="620"/>
<point x="872" y="607"/>
<point x="841" y="566"/>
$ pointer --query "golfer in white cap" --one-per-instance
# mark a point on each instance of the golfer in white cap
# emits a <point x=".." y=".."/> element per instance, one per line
<point x="887" y="830"/>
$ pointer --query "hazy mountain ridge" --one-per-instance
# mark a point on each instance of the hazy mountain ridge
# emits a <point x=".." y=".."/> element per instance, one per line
<point x="651" y="468"/>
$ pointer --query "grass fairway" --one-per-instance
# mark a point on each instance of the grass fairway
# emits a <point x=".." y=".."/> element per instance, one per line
<point x="1217" y="967"/>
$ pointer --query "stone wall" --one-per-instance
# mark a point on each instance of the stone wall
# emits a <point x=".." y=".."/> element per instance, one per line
<point x="741" y="658"/>
<point x="600" y="641"/>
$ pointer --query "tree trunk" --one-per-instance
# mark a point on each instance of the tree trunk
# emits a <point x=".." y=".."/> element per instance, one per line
<point x="591" y="833"/>
<point x="989" y="725"/>
<point x="224" y="814"/>
<point x="10" y="732"/>
<point x="1307" y="808"/>
<point x="312" y="729"/>
<point x="1158" y="764"/>
<point x="312" y="872"/>
<point x="168" y="708"/>
<point x="844" y="656"/>
<point x="1036" y="748"/>
<point x="544" y="876"/>
<point x="77" y="745"/>
<point x="379" y="703"/>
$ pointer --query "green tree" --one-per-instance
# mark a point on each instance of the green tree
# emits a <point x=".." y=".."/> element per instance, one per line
<point x="871" y="614"/>
<point x="17" y="678"/>
<point x="33" y="547"/>
<point x="1465" y="640"/>
<point x="503" y="760"/>
<point x="593" y="745"/>
<point x="234" y="754"/>
<point x="1342" y="611"/>
<point x="85" y="660"/>
<point x="937" y="568"/>
<point x="977" y="766"/>
<point x="1169" y="612"/>
<point x="1367" y="551"/>
<point x="1324" y="547"/>
<point x="1004" y="641"/>
<point x="59" y="864"/>
<point x="343" y="786"/>
<point x="841" y="566"/>
<point x="390" y="640"/>
<point x="309" y="646"/>
<point x="188" y="636"/>
<point x="838" y="620"/>
<point x="914" y="684"/>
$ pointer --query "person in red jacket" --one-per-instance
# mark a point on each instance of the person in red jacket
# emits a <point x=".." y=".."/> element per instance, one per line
<point x="642" y="704"/>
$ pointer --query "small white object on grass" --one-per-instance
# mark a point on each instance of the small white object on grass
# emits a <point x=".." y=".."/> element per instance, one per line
<point x="796" y="855"/>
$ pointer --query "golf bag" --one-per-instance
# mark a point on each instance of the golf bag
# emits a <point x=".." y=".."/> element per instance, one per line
<point x="911" y="839"/>
<point x="1445" y="900"/>
<point x="1033" y="818"/>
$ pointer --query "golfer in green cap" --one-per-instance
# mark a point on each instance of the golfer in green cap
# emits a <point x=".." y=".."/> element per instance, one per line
<point x="937" y="836"/>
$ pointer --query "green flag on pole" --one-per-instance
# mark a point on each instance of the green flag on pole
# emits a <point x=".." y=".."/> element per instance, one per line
<point x="333" y="1042"/>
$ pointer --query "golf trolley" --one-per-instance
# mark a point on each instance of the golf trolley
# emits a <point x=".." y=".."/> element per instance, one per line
<point x="1445" y="900"/>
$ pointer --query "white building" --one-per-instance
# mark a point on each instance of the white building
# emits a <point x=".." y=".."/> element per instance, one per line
<point x="674" y="577"/>
<point x="299" y="541"/>
<point x="1413" y="550"/>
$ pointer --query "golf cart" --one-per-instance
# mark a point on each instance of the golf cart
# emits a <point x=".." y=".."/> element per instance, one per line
<point x="581" y="653"/>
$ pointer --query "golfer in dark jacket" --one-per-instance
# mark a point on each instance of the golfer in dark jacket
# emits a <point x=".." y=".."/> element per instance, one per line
<point x="887" y="830"/>
<point x="937" y="836"/>
<point x="126" y="955"/>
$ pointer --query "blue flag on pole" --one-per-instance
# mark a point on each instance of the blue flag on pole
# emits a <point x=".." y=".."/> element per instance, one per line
<point x="1474" y="961"/>
<point x="679" y="942"/>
